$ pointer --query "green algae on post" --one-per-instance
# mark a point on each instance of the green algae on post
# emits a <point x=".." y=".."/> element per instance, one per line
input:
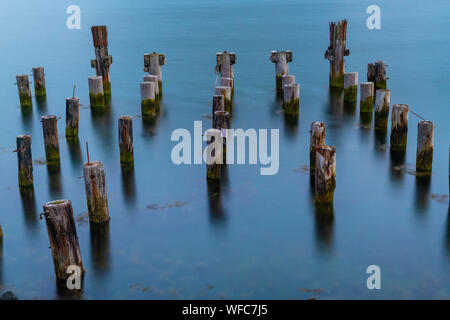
<point x="281" y="60"/>
<point x="96" y="196"/>
<point x="96" y="93"/>
<point x="350" y="86"/>
<point x="23" y="85"/>
<point x="126" y="141"/>
<point x="399" y="126"/>
<point x="336" y="52"/>
<point x="149" y="104"/>
<point x="50" y="129"/>
<point x="425" y="142"/>
<point x="39" y="82"/>
<point x="366" y="98"/>
<point x="72" y="116"/>
<point x="291" y="95"/>
<point x="24" y="161"/>
<point x="382" y="105"/>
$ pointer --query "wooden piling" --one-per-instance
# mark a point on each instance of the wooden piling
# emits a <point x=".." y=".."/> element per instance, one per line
<point x="325" y="175"/>
<point x="221" y="120"/>
<point x="425" y="141"/>
<point x="287" y="79"/>
<point x="376" y="73"/>
<point x="218" y="104"/>
<point x="39" y="82"/>
<point x="350" y="86"/>
<point x="149" y="105"/>
<point x="228" y="82"/>
<point x="50" y="129"/>
<point x="226" y="93"/>
<point x="103" y="60"/>
<point x="24" y="161"/>
<point x="152" y="65"/>
<point x="382" y="105"/>
<point x="317" y="139"/>
<point x="126" y="140"/>
<point x="336" y="52"/>
<point x="23" y="84"/>
<point x="152" y="78"/>
<point x="366" y="97"/>
<point x="72" y="116"/>
<point x="225" y="64"/>
<point x="63" y="238"/>
<point x="399" y="126"/>
<point x="96" y="93"/>
<point x="214" y="158"/>
<point x="291" y="95"/>
<point x="281" y="60"/>
<point x="96" y="196"/>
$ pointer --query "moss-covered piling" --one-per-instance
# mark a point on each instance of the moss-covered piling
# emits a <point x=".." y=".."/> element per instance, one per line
<point x="399" y="126"/>
<point x="425" y="142"/>
<point x="350" y="86"/>
<point x="96" y="196"/>
<point x="24" y="161"/>
<point x="336" y="52"/>
<point x="126" y="141"/>
<point x="23" y="85"/>
<point x="50" y="130"/>
<point x="291" y="96"/>
<point x="382" y="105"/>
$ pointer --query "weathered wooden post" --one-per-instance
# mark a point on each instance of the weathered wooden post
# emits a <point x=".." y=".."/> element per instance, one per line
<point x="382" y="105"/>
<point x="287" y="79"/>
<point x="214" y="156"/>
<point x="152" y="65"/>
<point x="425" y="141"/>
<point x="149" y="105"/>
<point x="50" y="129"/>
<point x="96" y="93"/>
<point x="126" y="140"/>
<point x="228" y="82"/>
<point x="291" y="97"/>
<point x="376" y="73"/>
<point x="103" y="60"/>
<point x="63" y="238"/>
<point x="221" y="121"/>
<point x="72" y="116"/>
<point x="281" y="60"/>
<point x="350" y="86"/>
<point x="399" y="126"/>
<point x="152" y="78"/>
<point x="336" y="52"/>
<point x="95" y="184"/>
<point x="218" y="104"/>
<point x="325" y="175"/>
<point x="23" y="84"/>
<point x="317" y="139"/>
<point x="226" y="93"/>
<point x="39" y="82"/>
<point x="366" y="98"/>
<point x="225" y="62"/>
<point x="24" y="161"/>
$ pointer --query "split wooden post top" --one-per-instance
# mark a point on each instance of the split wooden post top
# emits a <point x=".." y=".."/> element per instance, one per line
<point x="224" y="64"/>
<point x="376" y="73"/>
<point x="336" y="52"/>
<point x="103" y="60"/>
<point x="281" y="60"/>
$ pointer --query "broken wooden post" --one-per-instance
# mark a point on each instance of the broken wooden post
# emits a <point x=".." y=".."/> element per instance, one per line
<point x="126" y="140"/>
<point x="399" y="126"/>
<point x="24" y="161"/>
<point x="50" y="129"/>
<point x="152" y="65"/>
<point x="95" y="184"/>
<point x="281" y="60"/>
<point x="214" y="156"/>
<point x="350" y="86"/>
<point x="96" y="93"/>
<point x="325" y="175"/>
<point x="149" y="105"/>
<point x="425" y="141"/>
<point x="376" y="73"/>
<point x="63" y="238"/>
<point x="228" y="82"/>
<point x="152" y="78"/>
<point x="103" y="60"/>
<point x="317" y="139"/>
<point x="218" y="104"/>
<point x="226" y="93"/>
<point x="291" y="97"/>
<point x="336" y="52"/>
<point x="39" y="82"/>
<point x="382" y="105"/>
<point x="366" y="98"/>
<point x="23" y="84"/>
<point x="287" y="79"/>
<point x="72" y="116"/>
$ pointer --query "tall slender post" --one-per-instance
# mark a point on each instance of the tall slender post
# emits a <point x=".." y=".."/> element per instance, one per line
<point x="382" y="105"/>
<point x="23" y="84"/>
<point x="325" y="175"/>
<point x="350" y="86"/>
<point x="50" y="129"/>
<point x="96" y="93"/>
<point x="152" y="65"/>
<point x="126" y="140"/>
<point x="24" y="161"/>
<point x="399" y="126"/>
<point x="39" y="82"/>
<point x="95" y="185"/>
<point x="336" y="52"/>
<point x="214" y="155"/>
<point x="63" y="238"/>
<point x="72" y="116"/>
<point x="425" y="141"/>
<point x="152" y="78"/>
<point x="317" y="139"/>
<point x="103" y="60"/>
<point x="226" y="92"/>
<point x="291" y="98"/>
<point x="281" y="60"/>
<point x="149" y="105"/>
<point x="376" y="73"/>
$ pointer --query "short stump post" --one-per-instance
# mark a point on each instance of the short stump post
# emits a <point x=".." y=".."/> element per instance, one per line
<point x="50" y="129"/>
<point x="23" y="84"/>
<point x="72" y="116"/>
<point x="425" y="141"/>
<point x="281" y="60"/>
<point x="382" y="105"/>
<point x="291" y="97"/>
<point x="24" y="161"/>
<point x="39" y="82"/>
<point x="376" y="73"/>
<point x="366" y="99"/>
<point x="63" y="238"/>
<point x="126" y="140"/>
<point x="317" y="139"/>
<point x="149" y="105"/>
<point x="325" y="175"/>
<point x="214" y="156"/>
<point x="95" y="184"/>
<point x="152" y="65"/>
<point x="226" y="92"/>
<point x="96" y="95"/>
<point x="350" y="86"/>
<point x="152" y="78"/>
<point x="399" y="126"/>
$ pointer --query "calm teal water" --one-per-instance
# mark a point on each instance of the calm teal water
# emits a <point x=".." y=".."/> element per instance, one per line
<point x="261" y="237"/>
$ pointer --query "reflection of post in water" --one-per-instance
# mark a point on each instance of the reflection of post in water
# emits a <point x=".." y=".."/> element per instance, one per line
<point x="27" y="117"/>
<point x="73" y="145"/>
<point x="324" y="220"/>
<point x="291" y="124"/>
<point x="422" y="192"/>
<point x="397" y="164"/>
<point x="336" y="101"/>
<point x="100" y="247"/>
<point x="216" y="211"/>
<point x="102" y="122"/>
<point x="380" y="138"/>
<point x="128" y="184"/>
<point x="29" y="206"/>
<point x="54" y="179"/>
<point x="149" y="123"/>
